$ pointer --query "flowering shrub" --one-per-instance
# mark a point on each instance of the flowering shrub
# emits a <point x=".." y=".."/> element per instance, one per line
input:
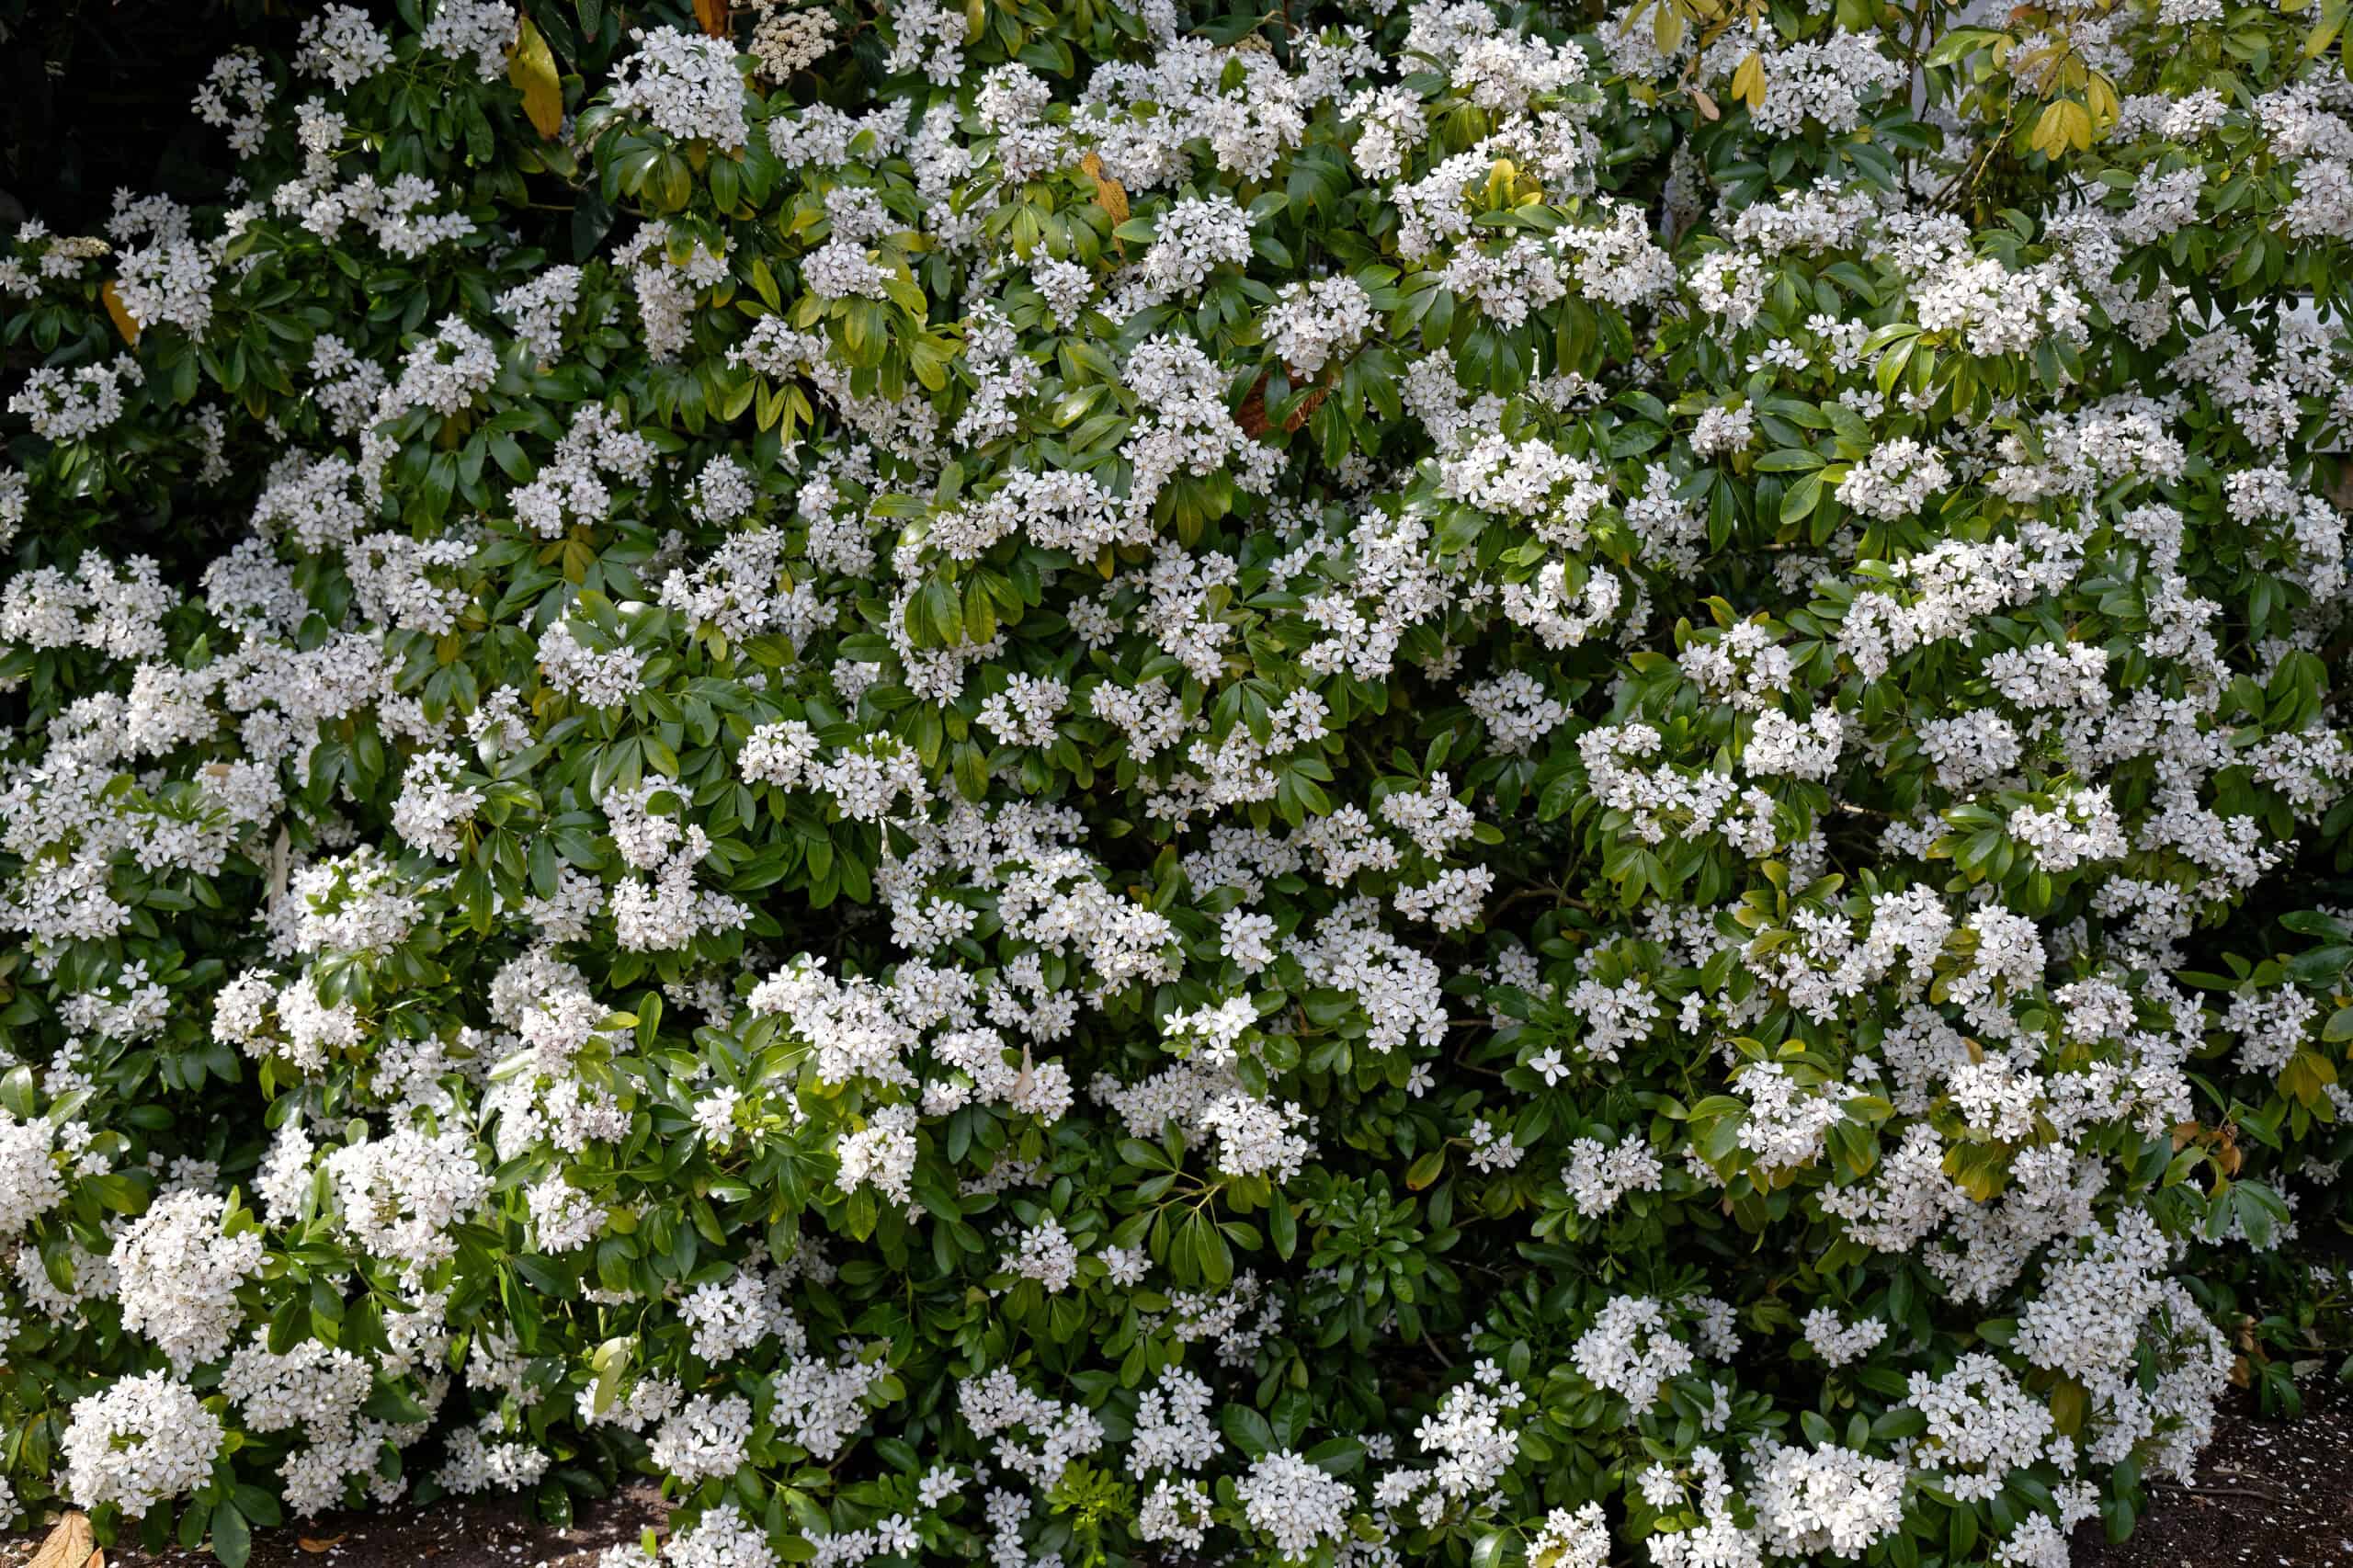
<point x="1077" y="784"/>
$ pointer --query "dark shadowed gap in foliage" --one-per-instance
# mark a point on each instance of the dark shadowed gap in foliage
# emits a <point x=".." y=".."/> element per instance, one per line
<point x="98" y="96"/>
<point x="497" y="1531"/>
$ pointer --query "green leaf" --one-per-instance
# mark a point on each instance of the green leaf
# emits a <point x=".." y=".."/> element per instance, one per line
<point x="1802" y="498"/>
<point x="1961" y="1535"/>
<point x="1962" y="42"/>
<point x="1891" y="364"/>
<point x="1282" y="1227"/>
<point x="232" y="1538"/>
<point x="1247" y="1430"/>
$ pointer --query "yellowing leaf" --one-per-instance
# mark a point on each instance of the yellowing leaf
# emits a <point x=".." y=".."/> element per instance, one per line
<point x="2099" y="95"/>
<point x="2324" y="33"/>
<point x="1666" y="28"/>
<point x="123" y="323"/>
<point x="2046" y="138"/>
<point x="1500" y="176"/>
<point x="2079" y="126"/>
<point x="1748" y="81"/>
<point x="712" y="15"/>
<point x="531" y="67"/>
<point x="2065" y="124"/>
<point x="1109" y="194"/>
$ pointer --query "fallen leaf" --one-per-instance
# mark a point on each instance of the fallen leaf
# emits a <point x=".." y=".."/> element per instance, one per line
<point x="68" y="1546"/>
<point x="531" y="67"/>
<point x="308" y="1544"/>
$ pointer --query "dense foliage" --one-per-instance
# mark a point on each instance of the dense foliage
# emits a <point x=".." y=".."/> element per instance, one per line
<point x="1361" y="785"/>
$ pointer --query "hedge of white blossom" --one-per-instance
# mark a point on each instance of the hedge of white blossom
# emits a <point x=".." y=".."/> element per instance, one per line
<point x="1066" y="784"/>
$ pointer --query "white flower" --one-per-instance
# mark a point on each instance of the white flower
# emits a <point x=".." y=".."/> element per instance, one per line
<point x="686" y="85"/>
<point x="179" y="1276"/>
<point x="1294" y="1504"/>
<point x="142" y="1442"/>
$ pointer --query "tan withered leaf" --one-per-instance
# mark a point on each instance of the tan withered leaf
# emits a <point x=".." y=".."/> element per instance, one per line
<point x="281" y="862"/>
<point x="1109" y="194"/>
<point x="712" y="14"/>
<point x="530" y="65"/>
<point x="68" y="1545"/>
<point x="122" y="321"/>
<point x="308" y="1544"/>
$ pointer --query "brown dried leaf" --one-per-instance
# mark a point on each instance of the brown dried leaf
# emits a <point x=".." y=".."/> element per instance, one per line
<point x="68" y="1546"/>
<point x="1307" y="407"/>
<point x="1252" y="415"/>
<point x="1255" y="420"/>
<point x="311" y="1545"/>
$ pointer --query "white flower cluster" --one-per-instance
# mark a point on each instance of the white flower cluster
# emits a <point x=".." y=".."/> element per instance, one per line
<point x="1294" y="1504"/>
<point x="142" y="1442"/>
<point x="178" y="1276"/>
<point x="687" y="85"/>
